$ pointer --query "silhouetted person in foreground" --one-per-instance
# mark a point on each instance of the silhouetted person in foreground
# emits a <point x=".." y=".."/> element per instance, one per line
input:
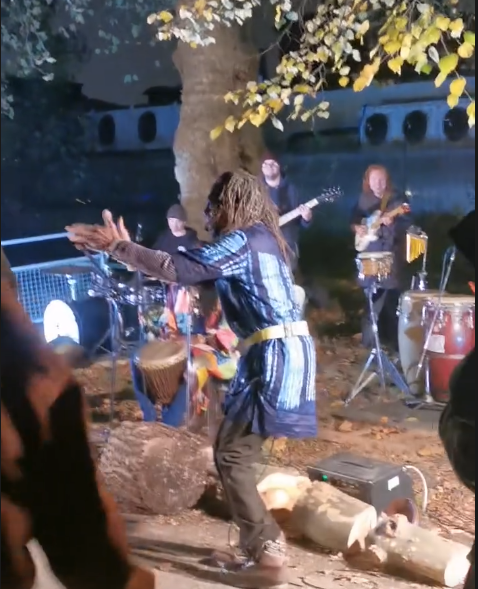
<point x="457" y="426"/>
<point x="51" y="490"/>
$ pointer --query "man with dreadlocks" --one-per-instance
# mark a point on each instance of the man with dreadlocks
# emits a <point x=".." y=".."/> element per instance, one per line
<point x="273" y="393"/>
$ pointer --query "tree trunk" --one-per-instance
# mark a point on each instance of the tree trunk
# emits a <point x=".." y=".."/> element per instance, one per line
<point x="332" y="519"/>
<point x="421" y="555"/>
<point x="152" y="469"/>
<point x="208" y="73"/>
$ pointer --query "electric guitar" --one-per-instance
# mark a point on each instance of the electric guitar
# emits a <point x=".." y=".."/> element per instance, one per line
<point x="328" y="195"/>
<point x="373" y="224"/>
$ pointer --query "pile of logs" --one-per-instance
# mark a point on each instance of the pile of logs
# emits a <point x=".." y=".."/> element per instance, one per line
<point x="330" y="518"/>
<point x="153" y="469"/>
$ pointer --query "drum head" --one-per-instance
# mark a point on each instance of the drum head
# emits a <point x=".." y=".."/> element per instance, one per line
<point x="449" y="300"/>
<point x="420" y="294"/>
<point x="162" y="352"/>
<point x="59" y="320"/>
<point x="375" y="256"/>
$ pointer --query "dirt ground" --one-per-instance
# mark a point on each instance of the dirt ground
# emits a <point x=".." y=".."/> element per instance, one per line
<point x="405" y="441"/>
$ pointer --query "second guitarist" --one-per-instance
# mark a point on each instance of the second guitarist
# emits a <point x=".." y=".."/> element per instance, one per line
<point x="379" y="195"/>
<point x="285" y="197"/>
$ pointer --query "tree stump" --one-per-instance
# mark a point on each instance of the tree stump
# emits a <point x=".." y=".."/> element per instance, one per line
<point x="331" y="518"/>
<point x="415" y="553"/>
<point x="153" y="469"/>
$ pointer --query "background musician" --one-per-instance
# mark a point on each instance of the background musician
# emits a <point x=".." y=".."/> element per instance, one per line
<point x="284" y="195"/>
<point x="178" y="235"/>
<point x="378" y="194"/>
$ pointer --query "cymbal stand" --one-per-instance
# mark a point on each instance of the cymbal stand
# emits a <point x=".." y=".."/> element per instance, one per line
<point x="385" y="368"/>
<point x="448" y="262"/>
<point x="113" y="333"/>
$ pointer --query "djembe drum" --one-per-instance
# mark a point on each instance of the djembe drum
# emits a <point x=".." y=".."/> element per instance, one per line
<point x="162" y="365"/>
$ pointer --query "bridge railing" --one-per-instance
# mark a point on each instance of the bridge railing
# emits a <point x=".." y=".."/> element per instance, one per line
<point x="38" y="285"/>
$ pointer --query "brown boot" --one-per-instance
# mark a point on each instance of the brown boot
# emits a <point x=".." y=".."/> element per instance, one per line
<point x="268" y="572"/>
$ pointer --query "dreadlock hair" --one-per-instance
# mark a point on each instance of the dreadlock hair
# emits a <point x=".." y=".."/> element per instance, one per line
<point x="239" y="200"/>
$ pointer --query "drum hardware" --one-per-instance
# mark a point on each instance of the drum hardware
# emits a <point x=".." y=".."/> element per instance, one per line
<point x="448" y="262"/>
<point x="70" y="273"/>
<point x="376" y="268"/>
<point x="386" y="368"/>
<point x="417" y="245"/>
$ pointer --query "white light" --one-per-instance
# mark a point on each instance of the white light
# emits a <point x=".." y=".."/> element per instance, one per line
<point x="59" y="321"/>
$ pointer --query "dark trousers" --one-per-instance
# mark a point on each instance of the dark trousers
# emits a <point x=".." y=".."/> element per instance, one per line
<point x="235" y="452"/>
<point x="385" y="304"/>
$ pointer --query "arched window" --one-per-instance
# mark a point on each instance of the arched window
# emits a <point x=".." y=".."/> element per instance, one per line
<point x="455" y="124"/>
<point x="106" y="130"/>
<point x="415" y="127"/>
<point x="147" y="127"/>
<point x="376" y="129"/>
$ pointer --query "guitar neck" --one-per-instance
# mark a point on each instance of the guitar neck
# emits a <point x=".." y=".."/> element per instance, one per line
<point x="288" y="217"/>
<point x="390" y="215"/>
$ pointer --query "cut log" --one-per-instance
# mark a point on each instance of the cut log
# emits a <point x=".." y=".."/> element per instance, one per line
<point x="152" y="469"/>
<point x="331" y="518"/>
<point x="281" y="491"/>
<point x="416" y="553"/>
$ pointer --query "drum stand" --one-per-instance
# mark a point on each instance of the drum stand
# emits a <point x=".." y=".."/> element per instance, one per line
<point x="448" y="262"/>
<point x="386" y="368"/>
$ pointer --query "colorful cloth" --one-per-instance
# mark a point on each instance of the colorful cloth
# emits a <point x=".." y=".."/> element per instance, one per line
<point x="274" y="387"/>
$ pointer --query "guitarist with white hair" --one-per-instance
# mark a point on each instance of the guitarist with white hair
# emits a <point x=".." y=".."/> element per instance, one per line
<point x="380" y="221"/>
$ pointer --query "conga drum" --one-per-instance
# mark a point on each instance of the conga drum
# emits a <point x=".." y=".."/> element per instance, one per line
<point x="411" y="336"/>
<point x="451" y="340"/>
<point x="162" y="365"/>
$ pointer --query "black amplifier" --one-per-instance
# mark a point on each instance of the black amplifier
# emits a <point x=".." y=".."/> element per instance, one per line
<point x="385" y="486"/>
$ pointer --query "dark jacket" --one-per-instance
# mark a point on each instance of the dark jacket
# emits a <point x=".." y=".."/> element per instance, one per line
<point x="390" y="239"/>
<point x="457" y="424"/>
<point x="170" y="244"/>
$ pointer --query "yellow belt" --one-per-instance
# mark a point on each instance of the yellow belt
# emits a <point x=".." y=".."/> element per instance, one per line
<point x="286" y="330"/>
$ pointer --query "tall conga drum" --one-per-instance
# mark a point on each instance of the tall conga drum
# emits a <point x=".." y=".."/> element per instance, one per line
<point x="411" y="336"/>
<point x="451" y="340"/>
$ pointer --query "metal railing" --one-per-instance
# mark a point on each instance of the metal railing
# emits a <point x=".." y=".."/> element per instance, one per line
<point x="37" y="285"/>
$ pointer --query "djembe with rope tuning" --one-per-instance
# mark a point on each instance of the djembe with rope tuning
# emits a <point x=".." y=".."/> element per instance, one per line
<point x="162" y="365"/>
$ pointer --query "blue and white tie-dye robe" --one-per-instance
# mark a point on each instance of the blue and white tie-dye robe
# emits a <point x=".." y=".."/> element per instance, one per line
<point x="274" y="387"/>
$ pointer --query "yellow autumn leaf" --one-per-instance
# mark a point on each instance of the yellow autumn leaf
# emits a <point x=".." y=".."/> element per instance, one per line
<point x="442" y="23"/>
<point x="344" y="81"/>
<point x="392" y="47"/>
<point x="230" y="124"/>
<point x="165" y="16"/>
<point x="466" y="50"/>
<point x="199" y="6"/>
<point x="302" y="89"/>
<point x="363" y="28"/>
<point x="395" y="65"/>
<point x="432" y="35"/>
<point x="275" y="104"/>
<point x="360" y="84"/>
<point x="452" y="100"/>
<point x="456" y="28"/>
<point x="401" y="24"/>
<point x="215" y="133"/>
<point x="469" y="37"/>
<point x="259" y="117"/>
<point x="440" y="79"/>
<point x="278" y="16"/>
<point x="470" y="111"/>
<point x="448" y="63"/>
<point x="457" y="87"/>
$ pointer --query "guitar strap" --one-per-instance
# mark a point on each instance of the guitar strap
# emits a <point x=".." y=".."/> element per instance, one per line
<point x="384" y="203"/>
